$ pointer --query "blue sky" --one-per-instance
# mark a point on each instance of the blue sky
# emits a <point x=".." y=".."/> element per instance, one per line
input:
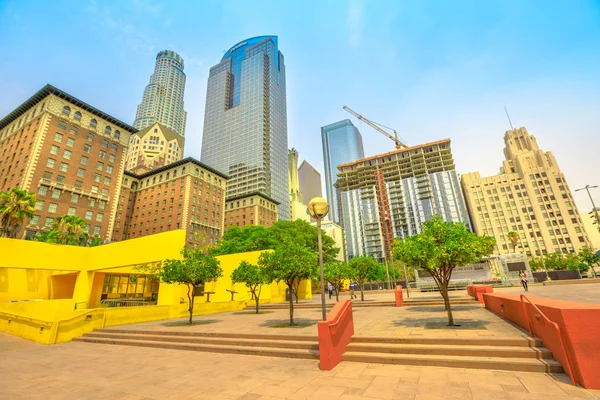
<point x="430" y="69"/>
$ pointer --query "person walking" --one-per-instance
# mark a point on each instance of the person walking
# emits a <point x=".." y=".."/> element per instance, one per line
<point x="523" y="277"/>
<point x="352" y="286"/>
<point x="330" y="289"/>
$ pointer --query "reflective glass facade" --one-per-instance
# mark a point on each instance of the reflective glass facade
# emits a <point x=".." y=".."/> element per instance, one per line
<point x="245" y="121"/>
<point x="342" y="143"/>
<point x="163" y="97"/>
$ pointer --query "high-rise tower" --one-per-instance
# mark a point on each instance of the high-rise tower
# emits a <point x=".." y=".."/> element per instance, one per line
<point x="163" y="97"/>
<point x="342" y="143"/>
<point x="245" y="121"/>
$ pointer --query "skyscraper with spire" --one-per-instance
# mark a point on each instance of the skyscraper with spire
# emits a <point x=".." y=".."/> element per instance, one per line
<point x="245" y="121"/>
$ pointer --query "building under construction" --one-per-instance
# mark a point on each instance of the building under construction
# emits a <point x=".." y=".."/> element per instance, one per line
<point x="390" y="195"/>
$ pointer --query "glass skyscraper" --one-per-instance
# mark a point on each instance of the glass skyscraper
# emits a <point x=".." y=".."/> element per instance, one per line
<point x="163" y="97"/>
<point x="245" y="121"/>
<point x="342" y="143"/>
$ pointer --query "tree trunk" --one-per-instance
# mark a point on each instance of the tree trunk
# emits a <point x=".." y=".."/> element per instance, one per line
<point x="444" y="292"/>
<point x="291" y="305"/>
<point x="337" y="293"/>
<point x="362" y="293"/>
<point x="191" y="302"/>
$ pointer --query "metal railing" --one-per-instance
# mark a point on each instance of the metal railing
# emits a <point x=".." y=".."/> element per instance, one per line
<point x="540" y="316"/>
<point x="123" y="303"/>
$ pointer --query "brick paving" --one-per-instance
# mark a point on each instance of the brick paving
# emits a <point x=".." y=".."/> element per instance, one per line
<point x="30" y="371"/>
<point x="585" y="293"/>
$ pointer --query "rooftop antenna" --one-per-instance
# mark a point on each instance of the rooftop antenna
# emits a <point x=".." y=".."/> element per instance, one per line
<point x="509" y="121"/>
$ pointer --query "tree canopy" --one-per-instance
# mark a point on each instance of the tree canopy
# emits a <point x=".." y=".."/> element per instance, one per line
<point x="364" y="269"/>
<point x="253" y="276"/>
<point x="441" y="247"/>
<point x="289" y="263"/>
<point x="16" y="206"/>
<point x="589" y="257"/>
<point x="193" y="269"/>
<point x="336" y="272"/>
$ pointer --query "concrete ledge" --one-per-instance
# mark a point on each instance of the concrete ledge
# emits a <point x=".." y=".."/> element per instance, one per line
<point x="571" y="282"/>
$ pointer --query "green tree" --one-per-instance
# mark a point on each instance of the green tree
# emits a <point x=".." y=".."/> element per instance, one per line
<point x="588" y="256"/>
<point x="16" y="206"/>
<point x="363" y="269"/>
<point x="336" y="272"/>
<point x="289" y="263"/>
<point x="195" y="268"/>
<point x="240" y="240"/>
<point x="441" y="247"/>
<point x="253" y="276"/>
<point x="304" y="234"/>
<point x="513" y="238"/>
<point x="536" y="264"/>
<point x="574" y="263"/>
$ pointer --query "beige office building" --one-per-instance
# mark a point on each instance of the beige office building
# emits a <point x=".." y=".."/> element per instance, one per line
<point x="153" y="147"/>
<point x="530" y="196"/>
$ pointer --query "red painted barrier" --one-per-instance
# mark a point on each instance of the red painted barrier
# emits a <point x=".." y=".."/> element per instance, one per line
<point x="479" y="290"/>
<point x="398" y="296"/>
<point x="335" y="334"/>
<point x="576" y="344"/>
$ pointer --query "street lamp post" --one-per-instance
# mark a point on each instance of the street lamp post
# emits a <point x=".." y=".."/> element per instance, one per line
<point x="318" y="209"/>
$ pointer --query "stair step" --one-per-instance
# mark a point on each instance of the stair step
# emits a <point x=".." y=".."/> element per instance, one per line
<point x="513" y="342"/>
<point x="507" y="364"/>
<point x="453" y="350"/>
<point x="289" y="344"/>
<point x="214" y="348"/>
<point x="296" y="338"/>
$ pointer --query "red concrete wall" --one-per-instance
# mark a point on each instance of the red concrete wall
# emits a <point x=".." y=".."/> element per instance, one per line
<point x="335" y="334"/>
<point x="579" y="325"/>
<point x="479" y="290"/>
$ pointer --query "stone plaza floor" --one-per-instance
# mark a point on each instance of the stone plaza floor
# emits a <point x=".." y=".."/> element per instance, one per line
<point x="79" y="370"/>
<point x="31" y="371"/>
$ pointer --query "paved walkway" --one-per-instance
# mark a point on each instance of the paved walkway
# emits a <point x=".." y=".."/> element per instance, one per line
<point x="585" y="293"/>
<point x="30" y="371"/>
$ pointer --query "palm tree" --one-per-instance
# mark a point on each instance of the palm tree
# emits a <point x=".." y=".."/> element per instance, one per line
<point x="69" y="229"/>
<point x="513" y="237"/>
<point x="16" y="206"/>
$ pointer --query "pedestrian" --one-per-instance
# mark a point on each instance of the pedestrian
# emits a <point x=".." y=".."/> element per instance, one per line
<point x="523" y="277"/>
<point x="330" y="289"/>
<point x="352" y="295"/>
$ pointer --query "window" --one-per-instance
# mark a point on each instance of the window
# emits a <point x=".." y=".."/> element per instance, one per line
<point x="70" y="142"/>
<point x="66" y="111"/>
<point x="88" y="215"/>
<point x="97" y="177"/>
<point x="52" y="208"/>
<point x="78" y="184"/>
<point x="100" y="166"/>
<point x="117" y="134"/>
<point x="105" y="192"/>
<point x="63" y="167"/>
<point x="62" y="125"/>
<point x="35" y="220"/>
<point x="67" y="154"/>
<point x="56" y="193"/>
<point x="89" y="137"/>
<point x="71" y="211"/>
<point x="58" y="137"/>
<point x="77" y="116"/>
<point x="54" y="150"/>
<point x="102" y="204"/>
<point x="96" y="230"/>
<point x="93" y="124"/>
<point x="51" y="163"/>
<point x="104" y="143"/>
<point x="107" y="130"/>
<point x="39" y="205"/>
<point x="91" y="202"/>
<point x="74" y="130"/>
<point x="109" y="169"/>
<point x="102" y="154"/>
<point x="81" y="173"/>
<point x="111" y="158"/>
<point x="114" y="146"/>
<point x="94" y="189"/>
<point x="48" y="222"/>
<point x="106" y="180"/>
<point x="43" y="190"/>
<point x="84" y="160"/>
<point x="99" y="217"/>
<point x="47" y="175"/>
<point x="74" y="198"/>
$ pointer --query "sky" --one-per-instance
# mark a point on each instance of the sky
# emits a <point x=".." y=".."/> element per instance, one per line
<point x="429" y="69"/>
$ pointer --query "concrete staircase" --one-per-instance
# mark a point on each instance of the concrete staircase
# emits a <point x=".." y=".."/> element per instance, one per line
<point x="519" y="354"/>
<point x="289" y="346"/>
<point x="367" y="303"/>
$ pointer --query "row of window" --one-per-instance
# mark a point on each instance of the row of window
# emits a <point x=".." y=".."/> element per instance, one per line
<point x="66" y="110"/>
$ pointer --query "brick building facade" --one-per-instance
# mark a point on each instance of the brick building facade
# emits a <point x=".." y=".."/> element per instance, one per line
<point x="250" y="209"/>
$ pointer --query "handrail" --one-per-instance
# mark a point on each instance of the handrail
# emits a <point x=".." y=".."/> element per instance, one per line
<point x="56" y="324"/>
<point x="334" y="323"/>
<point x="26" y="319"/>
<point x="556" y="327"/>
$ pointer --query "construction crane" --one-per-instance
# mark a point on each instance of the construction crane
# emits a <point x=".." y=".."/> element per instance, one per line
<point x="378" y="127"/>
